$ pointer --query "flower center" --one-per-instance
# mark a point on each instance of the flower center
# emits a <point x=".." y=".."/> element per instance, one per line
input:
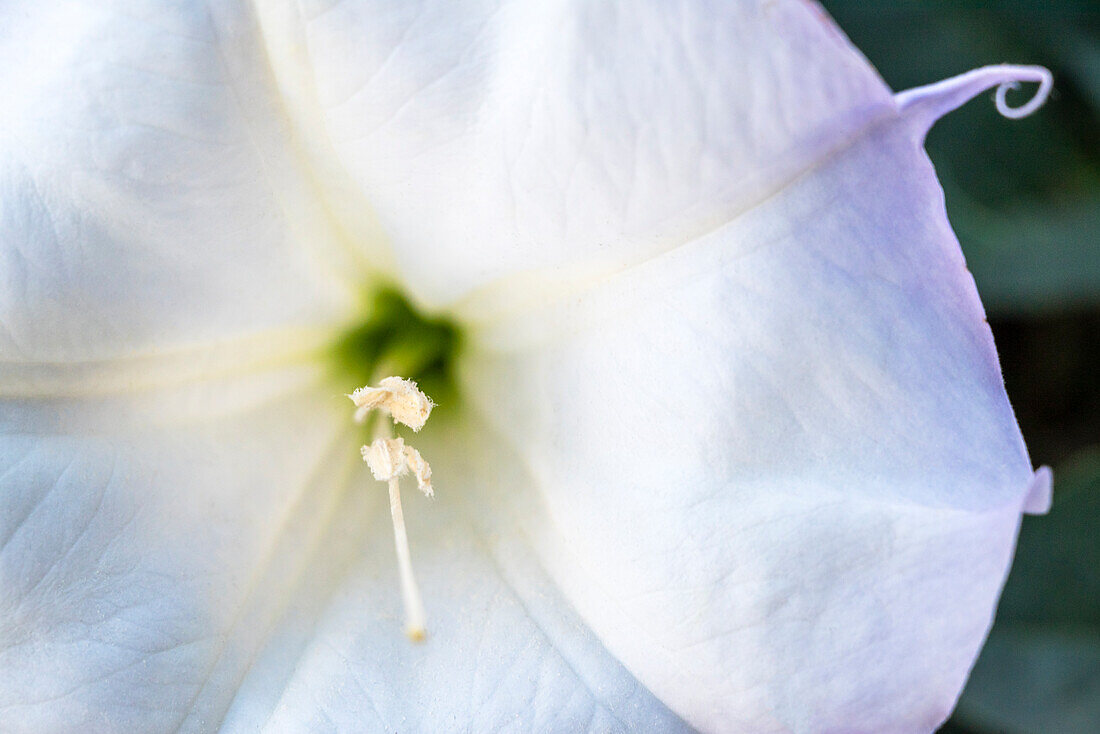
<point x="393" y="356"/>
<point x="394" y="337"/>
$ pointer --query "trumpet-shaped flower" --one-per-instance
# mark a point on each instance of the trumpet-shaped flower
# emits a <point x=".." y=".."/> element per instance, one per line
<point x="722" y="441"/>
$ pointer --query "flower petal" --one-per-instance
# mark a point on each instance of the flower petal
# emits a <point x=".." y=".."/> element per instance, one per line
<point x="239" y="575"/>
<point x="775" y="467"/>
<point x="500" y="137"/>
<point x="138" y="209"/>
<point x="504" y="649"/>
<point x="142" y="563"/>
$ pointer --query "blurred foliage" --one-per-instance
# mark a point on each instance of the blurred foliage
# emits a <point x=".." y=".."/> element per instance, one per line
<point x="1024" y="198"/>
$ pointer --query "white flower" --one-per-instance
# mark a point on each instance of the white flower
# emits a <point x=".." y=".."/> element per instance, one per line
<point x="729" y="447"/>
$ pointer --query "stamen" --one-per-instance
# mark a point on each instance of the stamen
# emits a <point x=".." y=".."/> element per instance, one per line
<point x="399" y="397"/>
<point x="390" y="459"/>
<point x="386" y="458"/>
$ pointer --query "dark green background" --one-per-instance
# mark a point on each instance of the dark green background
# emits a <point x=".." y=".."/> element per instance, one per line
<point x="1024" y="198"/>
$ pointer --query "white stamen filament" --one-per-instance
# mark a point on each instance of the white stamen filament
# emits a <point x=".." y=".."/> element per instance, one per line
<point x="410" y="592"/>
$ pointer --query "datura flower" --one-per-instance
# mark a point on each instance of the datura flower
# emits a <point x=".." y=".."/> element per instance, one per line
<point x="721" y="440"/>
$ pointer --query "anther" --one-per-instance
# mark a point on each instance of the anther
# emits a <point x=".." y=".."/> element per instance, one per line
<point x="399" y="397"/>
<point x="390" y="458"/>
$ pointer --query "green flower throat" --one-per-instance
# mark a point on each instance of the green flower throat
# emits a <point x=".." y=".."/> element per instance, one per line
<point x="395" y="337"/>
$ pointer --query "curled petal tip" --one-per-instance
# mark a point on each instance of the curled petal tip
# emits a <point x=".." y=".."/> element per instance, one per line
<point x="929" y="103"/>
<point x="1040" y="493"/>
<point x="1040" y="76"/>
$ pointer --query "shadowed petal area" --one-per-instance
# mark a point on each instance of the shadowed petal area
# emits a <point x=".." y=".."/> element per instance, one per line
<point x="135" y="555"/>
<point x="496" y="137"/>
<point x="775" y="467"/>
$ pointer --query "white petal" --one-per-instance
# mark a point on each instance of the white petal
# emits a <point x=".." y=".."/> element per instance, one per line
<point x="142" y="563"/>
<point x="775" y="467"/>
<point x="239" y="575"/>
<point x="137" y="210"/>
<point x="504" y="650"/>
<point x="496" y="137"/>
